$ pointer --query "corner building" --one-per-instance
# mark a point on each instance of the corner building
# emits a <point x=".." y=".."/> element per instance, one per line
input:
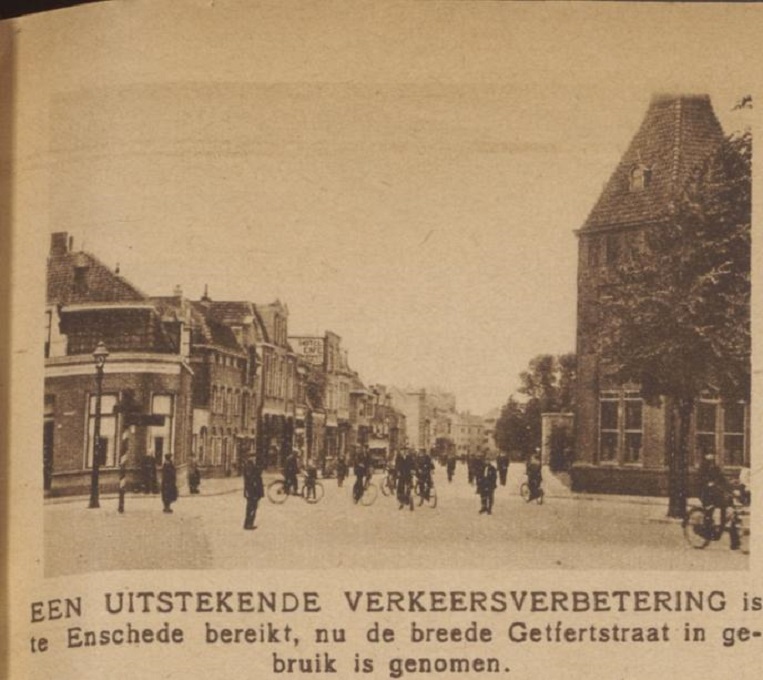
<point x="621" y="442"/>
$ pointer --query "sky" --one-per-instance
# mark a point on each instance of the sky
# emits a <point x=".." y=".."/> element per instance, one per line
<point x="409" y="176"/>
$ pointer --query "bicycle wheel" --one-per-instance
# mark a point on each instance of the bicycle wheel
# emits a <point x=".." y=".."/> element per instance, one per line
<point x="385" y="487"/>
<point x="695" y="530"/>
<point x="315" y="497"/>
<point x="524" y="491"/>
<point x="432" y="500"/>
<point x="277" y="492"/>
<point x="369" y="494"/>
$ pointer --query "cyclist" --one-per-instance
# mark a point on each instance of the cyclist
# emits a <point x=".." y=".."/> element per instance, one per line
<point x="534" y="474"/>
<point x="404" y="473"/>
<point x="290" y="472"/>
<point x="714" y="489"/>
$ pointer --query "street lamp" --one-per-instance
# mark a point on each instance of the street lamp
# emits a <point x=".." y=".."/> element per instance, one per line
<point x="100" y="354"/>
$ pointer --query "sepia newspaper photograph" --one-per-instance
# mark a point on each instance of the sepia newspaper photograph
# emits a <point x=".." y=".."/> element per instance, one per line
<point x="394" y="340"/>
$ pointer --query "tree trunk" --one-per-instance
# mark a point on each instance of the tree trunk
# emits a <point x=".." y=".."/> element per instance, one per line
<point x="678" y="469"/>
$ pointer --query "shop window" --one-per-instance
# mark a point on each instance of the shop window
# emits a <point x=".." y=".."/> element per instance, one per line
<point x="108" y="430"/>
<point x="160" y="436"/>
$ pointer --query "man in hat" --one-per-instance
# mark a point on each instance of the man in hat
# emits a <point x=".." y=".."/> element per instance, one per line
<point x="253" y="490"/>
<point x="169" y="483"/>
<point x="486" y="487"/>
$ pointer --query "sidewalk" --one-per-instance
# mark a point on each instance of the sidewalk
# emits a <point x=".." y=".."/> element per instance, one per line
<point x="654" y="508"/>
<point x="215" y="486"/>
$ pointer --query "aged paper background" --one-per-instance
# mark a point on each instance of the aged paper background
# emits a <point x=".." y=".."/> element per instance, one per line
<point x="72" y="60"/>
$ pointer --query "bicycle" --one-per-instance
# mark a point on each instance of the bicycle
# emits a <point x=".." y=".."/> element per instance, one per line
<point x="524" y="491"/>
<point x="389" y="484"/>
<point x="703" y="525"/>
<point x="278" y="494"/>
<point x="368" y="493"/>
<point x="426" y="494"/>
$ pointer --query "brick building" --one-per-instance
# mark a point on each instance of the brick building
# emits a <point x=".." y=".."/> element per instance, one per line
<point x="621" y="440"/>
<point x="147" y="373"/>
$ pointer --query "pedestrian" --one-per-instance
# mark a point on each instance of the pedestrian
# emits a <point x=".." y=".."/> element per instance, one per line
<point x="194" y="476"/>
<point x="311" y="477"/>
<point x="502" y="462"/>
<point x="534" y="471"/>
<point x="470" y="468"/>
<point x="361" y="472"/>
<point x="341" y="471"/>
<point x="451" y="465"/>
<point x="290" y="472"/>
<point x="253" y="490"/>
<point x="169" y="483"/>
<point x="487" y="485"/>
<point x="122" y="482"/>
<point x="479" y="470"/>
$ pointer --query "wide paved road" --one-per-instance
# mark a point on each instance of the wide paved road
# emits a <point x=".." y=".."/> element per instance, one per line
<point x="205" y="532"/>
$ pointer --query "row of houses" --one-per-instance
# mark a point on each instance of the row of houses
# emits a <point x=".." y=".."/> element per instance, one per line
<point x="211" y="379"/>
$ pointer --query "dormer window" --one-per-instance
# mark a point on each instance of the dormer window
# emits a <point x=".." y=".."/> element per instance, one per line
<point x="641" y="176"/>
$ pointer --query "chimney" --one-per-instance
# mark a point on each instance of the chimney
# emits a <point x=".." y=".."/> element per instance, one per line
<point x="178" y="290"/>
<point x="60" y="244"/>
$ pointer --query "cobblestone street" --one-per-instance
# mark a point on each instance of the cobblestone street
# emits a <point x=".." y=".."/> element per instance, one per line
<point x="205" y="531"/>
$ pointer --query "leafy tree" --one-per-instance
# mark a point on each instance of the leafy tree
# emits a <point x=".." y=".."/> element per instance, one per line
<point x="512" y="432"/>
<point x="548" y="384"/>
<point x="676" y="314"/>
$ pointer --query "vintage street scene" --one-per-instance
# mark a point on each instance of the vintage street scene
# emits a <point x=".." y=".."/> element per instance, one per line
<point x="439" y="377"/>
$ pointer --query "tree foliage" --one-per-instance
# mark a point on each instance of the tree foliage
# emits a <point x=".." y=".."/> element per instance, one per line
<point x="548" y="383"/>
<point x="675" y="316"/>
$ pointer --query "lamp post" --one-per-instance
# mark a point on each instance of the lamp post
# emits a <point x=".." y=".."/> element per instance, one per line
<point x="100" y="354"/>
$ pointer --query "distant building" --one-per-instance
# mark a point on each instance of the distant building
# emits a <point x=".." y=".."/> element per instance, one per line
<point x="621" y="441"/>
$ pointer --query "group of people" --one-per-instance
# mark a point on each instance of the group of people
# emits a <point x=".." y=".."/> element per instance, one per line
<point x="167" y="487"/>
<point x="411" y="471"/>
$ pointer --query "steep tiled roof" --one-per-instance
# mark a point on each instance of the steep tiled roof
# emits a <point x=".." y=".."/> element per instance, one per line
<point x="232" y="313"/>
<point x="677" y="134"/>
<point x="78" y="277"/>
<point x="207" y="331"/>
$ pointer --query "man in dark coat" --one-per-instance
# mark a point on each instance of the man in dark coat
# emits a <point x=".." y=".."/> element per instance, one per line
<point x="169" y="483"/>
<point x="341" y="470"/>
<point x="290" y="472"/>
<point x="361" y="474"/>
<point x="253" y="490"/>
<point x="451" y="465"/>
<point x="487" y="484"/>
<point x="502" y="462"/>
